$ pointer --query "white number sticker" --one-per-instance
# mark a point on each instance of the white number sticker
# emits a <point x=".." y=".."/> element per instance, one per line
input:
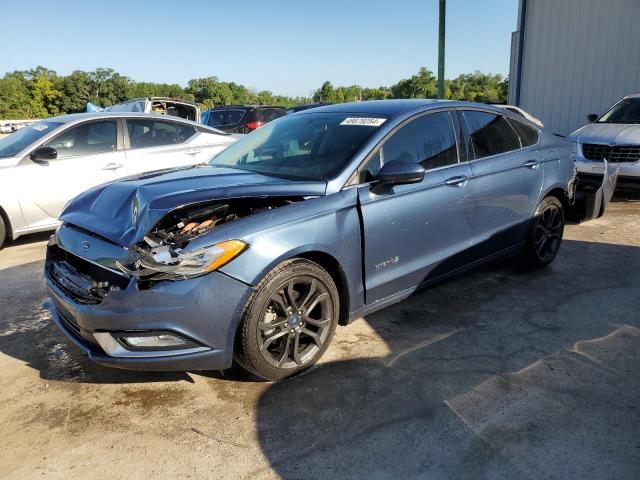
<point x="363" y="122"/>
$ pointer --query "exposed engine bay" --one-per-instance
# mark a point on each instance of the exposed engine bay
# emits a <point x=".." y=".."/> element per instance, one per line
<point x="161" y="251"/>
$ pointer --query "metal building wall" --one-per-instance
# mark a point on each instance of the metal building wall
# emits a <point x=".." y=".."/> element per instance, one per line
<point x="579" y="57"/>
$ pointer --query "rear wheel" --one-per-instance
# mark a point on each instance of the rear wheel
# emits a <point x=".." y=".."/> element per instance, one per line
<point x="288" y="321"/>
<point x="545" y="234"/>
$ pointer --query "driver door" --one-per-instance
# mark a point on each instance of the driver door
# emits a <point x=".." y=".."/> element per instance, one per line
<point x="414" y="232"/>
<point x="88" y="155"/>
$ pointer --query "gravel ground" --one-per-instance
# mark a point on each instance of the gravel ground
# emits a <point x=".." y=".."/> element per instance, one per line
<point x="498" y="374"/>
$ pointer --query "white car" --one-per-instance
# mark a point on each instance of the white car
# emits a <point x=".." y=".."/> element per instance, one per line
<point x="5" y="127"/>
<point x="614" y="137"/>
<point x="521" y="112"/>
<point x="46" y="164"/>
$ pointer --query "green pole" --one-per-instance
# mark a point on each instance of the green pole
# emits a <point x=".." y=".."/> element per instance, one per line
<point x="443" y="8"/>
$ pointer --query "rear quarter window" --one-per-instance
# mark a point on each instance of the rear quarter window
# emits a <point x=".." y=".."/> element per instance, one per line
<point x="528" y="135"/>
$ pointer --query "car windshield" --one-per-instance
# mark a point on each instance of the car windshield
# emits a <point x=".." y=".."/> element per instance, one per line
<point x="308" y="146"/>
<point x="21" y="139"/>
<point x="625" y="111"/>
<point x="220" y="118"/>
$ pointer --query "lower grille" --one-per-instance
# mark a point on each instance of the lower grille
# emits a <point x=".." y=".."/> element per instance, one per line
<point x="617" y="153"/>
<point x="74" y="328"/>
<point x="81" y="280"/>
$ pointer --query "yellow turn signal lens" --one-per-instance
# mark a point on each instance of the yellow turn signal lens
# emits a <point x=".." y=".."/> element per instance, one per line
<point x="230" y="250"/>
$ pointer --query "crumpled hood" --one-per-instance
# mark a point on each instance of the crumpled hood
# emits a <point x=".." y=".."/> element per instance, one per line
<point x="606" y="133"/>
<point x="125" y="211"/>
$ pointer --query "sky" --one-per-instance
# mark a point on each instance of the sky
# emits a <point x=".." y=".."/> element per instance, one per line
<point x="288" y="47"/>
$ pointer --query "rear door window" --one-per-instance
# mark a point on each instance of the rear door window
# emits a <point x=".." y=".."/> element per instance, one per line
<point x="86" y="139"/>
<point x="153" y="133"/>
<point x="491" y="134"/>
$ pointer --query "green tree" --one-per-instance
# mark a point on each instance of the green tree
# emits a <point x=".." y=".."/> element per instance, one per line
<point x="422" y="85"/>
<point x="325" y="93"/>
<point x="479" y="87"/>
<point x="41" y="92"/>
<point x="15" y="97"/>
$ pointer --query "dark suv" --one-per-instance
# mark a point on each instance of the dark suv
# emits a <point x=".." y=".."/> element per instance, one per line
<point x="241" y="118"/>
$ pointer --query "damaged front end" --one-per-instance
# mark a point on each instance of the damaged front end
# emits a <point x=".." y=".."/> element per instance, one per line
<point x="588" y="202"/>
<point x="163" y="253"/>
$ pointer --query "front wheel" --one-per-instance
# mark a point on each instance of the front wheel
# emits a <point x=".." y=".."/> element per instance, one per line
<point x="545" y="234"/>
<point x="3" y="232"/>
<point x="289" y="320"/>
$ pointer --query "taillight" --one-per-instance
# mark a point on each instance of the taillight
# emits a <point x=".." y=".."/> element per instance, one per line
<point x="254" y="125"/>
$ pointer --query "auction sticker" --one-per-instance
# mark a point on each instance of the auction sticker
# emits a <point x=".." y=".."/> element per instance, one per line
<point x="363" y="122"/>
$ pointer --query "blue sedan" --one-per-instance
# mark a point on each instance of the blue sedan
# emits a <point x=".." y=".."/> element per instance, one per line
<point x="311" y="221"/>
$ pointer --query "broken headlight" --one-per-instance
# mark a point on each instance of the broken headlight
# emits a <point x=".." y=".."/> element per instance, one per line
<point x="169" y="264"/>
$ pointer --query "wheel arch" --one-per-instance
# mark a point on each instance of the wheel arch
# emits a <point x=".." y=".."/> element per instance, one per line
<point x="560" y="193"/>
<point x="7" y="224"/>
<point x="334" y="268"/>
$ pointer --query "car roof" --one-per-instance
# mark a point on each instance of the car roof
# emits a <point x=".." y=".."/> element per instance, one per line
<point x="76" y="117"/>
<point x="229" y="107"/>
<point x="167" y="99"/>
<point x="390" y="108"/>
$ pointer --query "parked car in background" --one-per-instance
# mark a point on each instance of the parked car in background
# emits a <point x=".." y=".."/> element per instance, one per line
<point x="173" y="106"/>
<point x="615" y="136"/>
<point x="241" y="118"/>
<point x="307" y="106"/>
<point x="5" y="127"/>
<point x="309" y="222"/>
<point x="521" y="112"/>
<point x="44" y="165"/>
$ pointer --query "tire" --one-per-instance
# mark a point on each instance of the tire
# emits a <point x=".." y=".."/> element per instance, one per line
<point x="545" y="234"/>
<point x="3" y="231"/>
<point x="289" y="320"/>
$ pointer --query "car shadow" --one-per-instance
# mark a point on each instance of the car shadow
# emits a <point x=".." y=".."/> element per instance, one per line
<point x="483" y="374"/>
<point x="30" y="238"/>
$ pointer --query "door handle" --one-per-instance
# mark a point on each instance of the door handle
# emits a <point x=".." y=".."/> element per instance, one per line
<point x="112" y="166"/>
<point x="531" y="164"/>
<point x="193" y="152"/>
<point x="457" y="181"/>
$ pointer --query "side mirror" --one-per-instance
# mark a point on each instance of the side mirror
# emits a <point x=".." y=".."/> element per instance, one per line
<point x="592" y="117"/>
<point x="42" y="155"/>
<point x="400" y="173"/>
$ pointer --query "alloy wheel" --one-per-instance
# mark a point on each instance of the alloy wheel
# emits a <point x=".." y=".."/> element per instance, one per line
<point x="548" y="233"/>
<point x="296" y="322"/>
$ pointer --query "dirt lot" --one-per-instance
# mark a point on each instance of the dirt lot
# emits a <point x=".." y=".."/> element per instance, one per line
<point x="498" y="374"/>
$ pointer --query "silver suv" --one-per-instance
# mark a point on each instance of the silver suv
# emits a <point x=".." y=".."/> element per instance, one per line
<point x="614" y="137"/>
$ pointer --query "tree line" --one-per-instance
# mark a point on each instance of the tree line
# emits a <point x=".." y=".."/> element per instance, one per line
<point x="41" y="92"/>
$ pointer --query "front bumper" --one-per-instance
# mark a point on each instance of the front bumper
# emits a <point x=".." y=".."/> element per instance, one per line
<point x="204" y="309"/>
<point x="591" y="173"/>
